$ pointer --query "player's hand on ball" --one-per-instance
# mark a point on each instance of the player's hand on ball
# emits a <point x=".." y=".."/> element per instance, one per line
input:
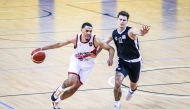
<point x="38" y="55"/>
<point x="36" y="50"/>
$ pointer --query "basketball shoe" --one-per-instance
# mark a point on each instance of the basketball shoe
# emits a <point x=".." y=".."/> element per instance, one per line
<point x="116" y="107"/>
<point x="55" y="105"/>
<point x="129" y="94"/>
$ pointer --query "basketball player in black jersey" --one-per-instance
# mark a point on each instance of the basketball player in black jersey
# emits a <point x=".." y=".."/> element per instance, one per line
<point x="129" y="58"/>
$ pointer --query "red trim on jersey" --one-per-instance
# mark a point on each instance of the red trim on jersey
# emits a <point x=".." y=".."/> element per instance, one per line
<point x="77" y="75"/>
<point x="81" y="39"/>
<point x="93" y="42"/>
<point x="75" y="46"/>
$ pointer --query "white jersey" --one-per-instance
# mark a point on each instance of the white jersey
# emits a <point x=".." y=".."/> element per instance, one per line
<point x="80" y="63"/>
<point x="82" y="48"/>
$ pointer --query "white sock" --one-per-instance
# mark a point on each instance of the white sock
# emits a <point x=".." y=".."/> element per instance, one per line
<point x="55" y="96"/>
<point x="61" y="89"/>
<point x="56" y="103"/>
<point x="58" y="100"/>
<point x="131" y="91"/>
<point x="117" y="103"/>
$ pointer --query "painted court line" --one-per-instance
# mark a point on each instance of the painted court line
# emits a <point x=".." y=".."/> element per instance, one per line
<point x="6" y="105"/>
<point x="6" y="11"/>
<point x="150" y="69"/>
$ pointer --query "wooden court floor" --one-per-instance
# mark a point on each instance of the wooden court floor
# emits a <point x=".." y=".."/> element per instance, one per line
<point x="25" y="25"/>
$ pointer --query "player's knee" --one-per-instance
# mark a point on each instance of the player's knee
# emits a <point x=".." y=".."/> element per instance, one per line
<point x="118" y="83"/>
<point x="134" y="80"/>
<point x="70" y="82"/>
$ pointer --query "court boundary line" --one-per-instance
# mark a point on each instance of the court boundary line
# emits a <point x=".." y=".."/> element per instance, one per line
<point x="98" y="89"/>
<point x="144" y="92"/>
<point x="6" y="105"/>
<point x="141" y="91"/>
<point x="49" y="14"/>
<point x="102" y="39"/>
<point x="62" y="3"/>
<point x="105" y="14"/>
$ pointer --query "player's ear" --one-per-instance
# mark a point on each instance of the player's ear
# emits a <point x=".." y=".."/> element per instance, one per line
<point x="82" y="29"/>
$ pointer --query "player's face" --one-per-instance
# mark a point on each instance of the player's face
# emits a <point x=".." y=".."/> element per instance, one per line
<point x="87" y="32"/>
<point x="122" y="21"/>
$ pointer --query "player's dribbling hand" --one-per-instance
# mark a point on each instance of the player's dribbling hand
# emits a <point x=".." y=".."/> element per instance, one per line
<point x="144" y="30"/>
<point x="38" y="49"/>
<point x="110" y="62"/>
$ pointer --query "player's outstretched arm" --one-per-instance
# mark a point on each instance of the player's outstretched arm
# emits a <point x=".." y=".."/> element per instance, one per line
<point x="106" y="40"/>
<point x="110" y="49"/>
<point x="60" y="44"/>
<point x="141" y="32"/>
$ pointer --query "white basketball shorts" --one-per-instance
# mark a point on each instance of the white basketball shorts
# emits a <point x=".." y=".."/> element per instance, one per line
<point x="82" y="68"/>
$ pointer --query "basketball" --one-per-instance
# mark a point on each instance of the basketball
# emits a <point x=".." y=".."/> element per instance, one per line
<point x="38" y="55"/>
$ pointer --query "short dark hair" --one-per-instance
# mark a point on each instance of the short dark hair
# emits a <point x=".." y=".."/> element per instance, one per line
<point x="123" y="13"/>
<point x="86" y="24"/>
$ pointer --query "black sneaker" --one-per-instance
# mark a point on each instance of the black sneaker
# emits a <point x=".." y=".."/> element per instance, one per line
<point x="52" y="97"/>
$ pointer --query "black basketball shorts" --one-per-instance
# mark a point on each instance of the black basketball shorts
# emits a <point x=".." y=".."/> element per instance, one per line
<point x="132" y="69"/>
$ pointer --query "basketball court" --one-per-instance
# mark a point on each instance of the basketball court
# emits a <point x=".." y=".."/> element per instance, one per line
<point x="25" y="25"/>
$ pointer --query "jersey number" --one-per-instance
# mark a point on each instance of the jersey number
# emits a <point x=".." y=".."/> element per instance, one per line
<point x="120" y="40"/>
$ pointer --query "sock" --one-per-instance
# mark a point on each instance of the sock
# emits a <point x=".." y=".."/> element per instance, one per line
<point x="131" y="91"/>
<point x="117" y="103"/>
<point x="59" y="91"/>
<point x="55" y="96"/>
<point x="56" y="103"/>
<point x="134" y="89"/>
<point x="58" y="100"/>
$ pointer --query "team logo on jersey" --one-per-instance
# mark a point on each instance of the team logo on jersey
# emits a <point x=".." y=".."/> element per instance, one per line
<point x="82" y="55"/>
<point x="120" y="40"/>
<point x="123" y="36"/>
<point x="90" y="43"/>
<point x="116" y="38"/>
<point x="118" y="68"/>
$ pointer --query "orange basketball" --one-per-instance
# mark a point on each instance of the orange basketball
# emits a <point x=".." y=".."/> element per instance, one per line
<point x="38" y="55"/>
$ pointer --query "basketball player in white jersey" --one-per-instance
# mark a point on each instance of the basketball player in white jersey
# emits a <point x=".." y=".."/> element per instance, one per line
<point x="129" y="58"/>
<point x="81" y="61"/>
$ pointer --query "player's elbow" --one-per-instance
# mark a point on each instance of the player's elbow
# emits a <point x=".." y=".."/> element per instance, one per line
<point x="107" y="41"/>
<point x="111" y="49"/>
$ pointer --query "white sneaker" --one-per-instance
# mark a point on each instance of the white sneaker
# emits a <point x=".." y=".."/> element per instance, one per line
<point x="129" y="95"/>
<point x="116" y="107"/>
<point x="55" y="105"/>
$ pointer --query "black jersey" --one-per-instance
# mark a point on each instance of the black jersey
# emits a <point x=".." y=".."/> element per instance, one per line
<point x="127" y="48"/>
